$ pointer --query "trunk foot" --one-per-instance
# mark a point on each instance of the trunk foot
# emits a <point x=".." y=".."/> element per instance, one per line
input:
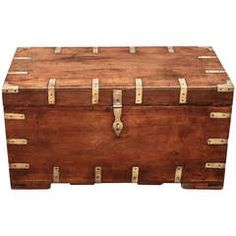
<point x="31" y="185"/>
<point x="209" y="185"/>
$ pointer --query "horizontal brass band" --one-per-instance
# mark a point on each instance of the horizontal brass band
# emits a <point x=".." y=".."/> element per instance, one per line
<point x="22" y="58"/>
<point x="220" y="115"/>
<point x="215" y="165"/>
<point x="215" y="71"/>
<point x="217" y="141"/>
<point x="18" y="166"/>
<point x="17" y="141"/>
<point x="207" y="57"/>
<point x="17" y="73"/>
<point x="14" y="116"/>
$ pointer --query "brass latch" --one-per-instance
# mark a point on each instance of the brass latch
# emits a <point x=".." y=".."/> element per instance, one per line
<point x="95" y="91"/>
<point x="132" y="50"/>
<point x="57" y="50"/>
<point x="51" y="91"/>
<point x="139" y="91"/>
<point x="183" y="91"/>
<point x="117" y="110"/>
<point x="170" y="50"/>
<point x="95" y="50"/>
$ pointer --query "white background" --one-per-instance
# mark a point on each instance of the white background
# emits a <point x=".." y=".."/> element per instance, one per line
<point x="118" y="209"/>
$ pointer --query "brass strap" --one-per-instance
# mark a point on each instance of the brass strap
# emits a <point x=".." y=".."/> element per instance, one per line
<point x="135" y="174"/>
<point x="10" y="88"/>
<point x="183" y="91"/>
<point x="139" y="91"/>
<point x="217" y="141"/>
<point x="215" y="71"/>
<point x="95" y="50"/>
<point x="220" y="115"/>
<point x="51" y="91"/>
<point x="22" y="58"/>
<point x="57" y="50"/>
<point x="56" y="174"/>
<point x="178" y="174"/>
<point x="117" y="110"/>
<point x="95" y="91"/>
<point x="17" y="73"/>
<point x="207" y="57"/>
<point x="170" y="50"/>
<point x="227" y="87"/>
<point x="14" y="116"/>
<point x="17" y="141"/>
<point x="98" y="174"/>
<point x="215" y="165"/>
<point x="132" y="50"/>
<point x="18" y="166"/>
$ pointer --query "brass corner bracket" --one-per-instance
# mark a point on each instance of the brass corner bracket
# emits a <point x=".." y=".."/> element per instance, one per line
<point x="227" y="87"/>
<point x="10" y="88"/>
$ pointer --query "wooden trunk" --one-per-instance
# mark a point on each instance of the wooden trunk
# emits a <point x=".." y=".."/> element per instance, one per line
<point x="146" y="115"/>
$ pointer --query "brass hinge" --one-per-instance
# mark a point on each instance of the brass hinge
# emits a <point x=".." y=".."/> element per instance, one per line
<point x="10" y="88"/>
<point x="207" y="57"/>
<point x="217" y="141"/>
<point x="22" y="58"/>
<point x="170" y="50"/>
<point x="95" y="91"/>
<point x="51" y="91"/>
<point x="17" y="73"/>
<point x="215" y="71"/>
<point x="183" y="91"/>
<point x="17" y="141"/>
<point x="215" y="165"/>
<point x="227" y="87"/>
<point x="219" y="115"/>
<point x="18" y="166"/>
<point x="178" y="174"/>
<point x="135" y="174"/>
<point x="117" y="110"/>
<point x="139" y="91"/>
<point x="132" y="50"/>
<point x="98" y="174"/>
<point x="56" y="174"/>
<point x="14" y="116"/>
<point x="57" y="50"/>
<point x="95" y="50"/>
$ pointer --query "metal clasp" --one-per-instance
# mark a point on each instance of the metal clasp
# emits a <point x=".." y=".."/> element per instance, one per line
<point x="117" y="110"/>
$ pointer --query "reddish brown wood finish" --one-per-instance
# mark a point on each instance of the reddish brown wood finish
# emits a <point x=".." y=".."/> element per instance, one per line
<point x="158" y="135"/>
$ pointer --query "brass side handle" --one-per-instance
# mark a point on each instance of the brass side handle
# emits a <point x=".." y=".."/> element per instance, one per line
<point x="117" y="110"/>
